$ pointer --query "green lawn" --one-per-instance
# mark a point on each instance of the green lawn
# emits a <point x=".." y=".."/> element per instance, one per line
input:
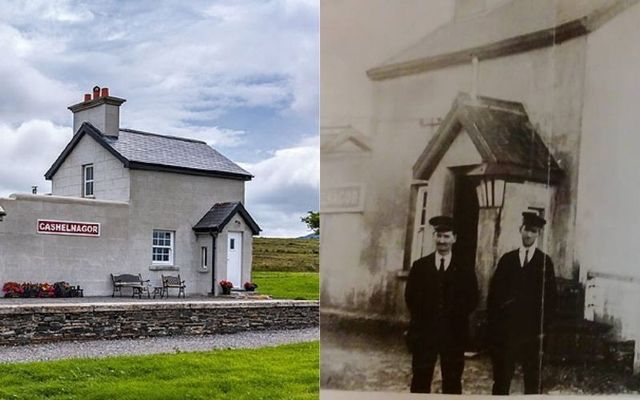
<point x="286" y="268"/>
<point x="288" y="285"/>
<point x="284" y="372"/>
<point x="275" y="254"/>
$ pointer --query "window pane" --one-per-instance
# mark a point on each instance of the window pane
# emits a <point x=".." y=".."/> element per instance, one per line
<point x="162" y="247"/>
<point x="204" y="256"/>
<point x="232" y="244"/>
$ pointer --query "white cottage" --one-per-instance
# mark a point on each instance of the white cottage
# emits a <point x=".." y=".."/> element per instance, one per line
<point x="134" y="202"/>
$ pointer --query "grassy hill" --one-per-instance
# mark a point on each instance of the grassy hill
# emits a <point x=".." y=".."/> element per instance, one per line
<point x="285" y="255"/>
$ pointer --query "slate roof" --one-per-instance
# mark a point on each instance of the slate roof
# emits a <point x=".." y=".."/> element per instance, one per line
<point x="144" y="150"/>
<point x="220" y="214"/>
<point x="503" y="135"/>
<point x="512" y="27"/>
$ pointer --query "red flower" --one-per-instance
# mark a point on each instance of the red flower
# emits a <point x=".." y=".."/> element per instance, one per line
<point x="225" y="284"/>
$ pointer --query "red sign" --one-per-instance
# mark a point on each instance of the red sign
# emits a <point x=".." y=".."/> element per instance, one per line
<point x="70" y="228"/>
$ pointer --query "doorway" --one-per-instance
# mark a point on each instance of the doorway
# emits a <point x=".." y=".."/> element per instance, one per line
<point x="465" y="215"/>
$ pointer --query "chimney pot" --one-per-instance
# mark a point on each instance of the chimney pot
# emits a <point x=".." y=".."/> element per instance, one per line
<point x="99" y="109"/>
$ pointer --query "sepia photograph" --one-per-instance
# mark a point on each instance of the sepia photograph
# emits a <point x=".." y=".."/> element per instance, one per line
<point x="479" y="194"/>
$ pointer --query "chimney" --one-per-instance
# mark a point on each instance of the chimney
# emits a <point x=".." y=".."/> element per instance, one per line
<point x="99" y="109"/>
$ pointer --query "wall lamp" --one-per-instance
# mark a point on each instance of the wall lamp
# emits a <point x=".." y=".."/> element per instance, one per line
<point x="491" y="192"/>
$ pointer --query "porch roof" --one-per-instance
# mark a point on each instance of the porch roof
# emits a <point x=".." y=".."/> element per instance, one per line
<point x="500" y="130"/>
<point x="219" y="216"/>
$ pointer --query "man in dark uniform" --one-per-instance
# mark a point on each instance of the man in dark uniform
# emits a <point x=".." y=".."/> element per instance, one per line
<point x="520" y="305"/>
<point x="440" y="295"/>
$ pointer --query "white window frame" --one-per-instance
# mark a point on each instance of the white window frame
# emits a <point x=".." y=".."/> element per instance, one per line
<point x="86" y="181"/>
<point x="420" y="223"/>
<point x="160" y="242"/>
<point x="204" y="263"/>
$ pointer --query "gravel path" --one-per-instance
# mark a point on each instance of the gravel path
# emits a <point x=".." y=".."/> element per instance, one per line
<point x="107" y="348"/>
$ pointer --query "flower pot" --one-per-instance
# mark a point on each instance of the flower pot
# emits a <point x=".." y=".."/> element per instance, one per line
<point x="226" y="290"/>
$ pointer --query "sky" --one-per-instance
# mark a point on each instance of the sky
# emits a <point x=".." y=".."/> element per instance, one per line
<point x="241" y="75"/>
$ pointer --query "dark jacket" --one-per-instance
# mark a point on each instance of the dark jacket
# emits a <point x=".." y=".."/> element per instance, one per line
<point x="515" y="301"/>
<point x="440" y="305"/>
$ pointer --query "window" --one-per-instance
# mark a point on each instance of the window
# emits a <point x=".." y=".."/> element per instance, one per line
<point x="420" y="223"/>
<point x="87" y="179"/>
<point x="203" y="255"/>
<point x="232" y="244"/>
<point x="162" y="252"/>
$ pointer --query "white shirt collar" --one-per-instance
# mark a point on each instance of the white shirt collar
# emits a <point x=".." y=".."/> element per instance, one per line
<point x="447" y="260"/>
<point x="523" y="250"/>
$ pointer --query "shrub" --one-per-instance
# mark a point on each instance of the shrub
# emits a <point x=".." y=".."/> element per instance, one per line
<point x="250" y="286"/>
<point x="28" y="289"/>
<point x="12" y="289"/>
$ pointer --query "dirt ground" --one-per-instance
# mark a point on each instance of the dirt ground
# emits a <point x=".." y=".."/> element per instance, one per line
<point x="368" y="362"/>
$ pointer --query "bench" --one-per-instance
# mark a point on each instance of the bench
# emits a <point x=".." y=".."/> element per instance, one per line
<point x="172" y="282"/>
<point x="135" y="282"/>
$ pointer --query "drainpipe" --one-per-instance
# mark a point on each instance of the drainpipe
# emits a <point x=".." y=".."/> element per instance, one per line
<point x="214" y="235"/>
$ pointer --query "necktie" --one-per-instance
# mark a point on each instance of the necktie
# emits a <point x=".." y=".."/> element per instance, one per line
<point x="526" y="257"/>
<point x="441" y="270"/>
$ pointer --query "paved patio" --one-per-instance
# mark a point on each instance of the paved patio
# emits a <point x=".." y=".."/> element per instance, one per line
<point x="239" y="297"/>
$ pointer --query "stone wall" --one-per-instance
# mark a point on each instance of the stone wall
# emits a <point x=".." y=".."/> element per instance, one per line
<point x="25" y="324"/>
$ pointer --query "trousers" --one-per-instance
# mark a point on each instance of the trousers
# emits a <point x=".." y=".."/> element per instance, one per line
<point x="504" y="361"/>
<point x="451" y="365"/>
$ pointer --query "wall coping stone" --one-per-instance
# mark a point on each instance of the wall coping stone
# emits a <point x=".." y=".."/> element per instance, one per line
<point x="8" y="309"/>
<point x="64" y="199"/>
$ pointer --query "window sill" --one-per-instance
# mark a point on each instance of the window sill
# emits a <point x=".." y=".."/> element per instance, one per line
<point x="164" y="268"/>
<point x="203" y="270"/>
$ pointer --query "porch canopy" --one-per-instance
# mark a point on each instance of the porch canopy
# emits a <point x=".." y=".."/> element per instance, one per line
<point x="219" y="216"/>
<point x="510" y="147"/>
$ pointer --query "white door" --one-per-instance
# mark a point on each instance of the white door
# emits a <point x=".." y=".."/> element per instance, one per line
<point x="234" y="259"/>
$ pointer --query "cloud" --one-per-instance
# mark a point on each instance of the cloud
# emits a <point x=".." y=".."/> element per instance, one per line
<point x="285" y="187"/>
<point x="212" y="58"/>
<point x="26" y="152"/>
<point x="59" y="10"/>
<point x="27" y="92"/>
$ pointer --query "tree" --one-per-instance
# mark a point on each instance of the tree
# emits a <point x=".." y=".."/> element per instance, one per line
<point x="313" y="221"/>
